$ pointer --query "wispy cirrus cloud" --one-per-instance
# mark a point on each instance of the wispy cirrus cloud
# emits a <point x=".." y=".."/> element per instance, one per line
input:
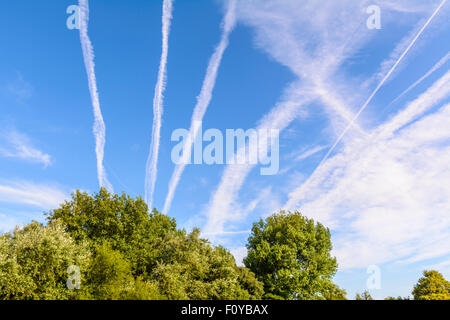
<point x="442" y="62"/>
<point x="308" y="153"/>
<point x="381" y="195"/>
<point x="18" y="146"/>
<point x="383" y="80"/>
<point x="7" y="223"/>
<point x="151" y="170"/>
<point x="302" y="38"/>
<point x="20" y="89"/>
<point x="22" y="201"/>
<point x="313" y="40"/>
<point x="420" y="9"/>
<point x="223" y="206"/>
<point x="203" y="99"/>
<point x="99" y="124"/>
<point x="40" y="195"/>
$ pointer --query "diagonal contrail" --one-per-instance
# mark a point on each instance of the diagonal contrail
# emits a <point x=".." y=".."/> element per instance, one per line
<point x="203" y="99"/>
<point x="381" y="83"/>
<point x="152" y="161"/>
<point x="436" y="67"/>
<point x="99" y="124"/>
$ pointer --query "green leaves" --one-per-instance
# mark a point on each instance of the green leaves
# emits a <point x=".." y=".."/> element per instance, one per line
<point x="291" y="256"/>
<point x="364" y="296"/>
<point x="191" y="268"/>
<point x="142" y="255"/>
<point x="123" y="251"/>
<point x="34" y="262"/>
<point x="432" y="286"/>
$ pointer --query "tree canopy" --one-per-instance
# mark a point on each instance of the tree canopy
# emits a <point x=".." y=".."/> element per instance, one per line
<point x="34" y="262"/>
<point x="122" y="252"/>
<point x="432" y="286"/>
<point x="108" y="246"/>
<point x="364" y="296"/>
<point x="290" y="255"/>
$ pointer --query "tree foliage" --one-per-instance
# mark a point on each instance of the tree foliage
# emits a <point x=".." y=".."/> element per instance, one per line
<point x="123" y="252"/>
<point x="364" y="296"/>
<point x="34" y="262"/>
<point x="432" y="286"/>
<point x="290" y="254"/>
<point x="122" y="221"/>
<point x="398" y="298"/>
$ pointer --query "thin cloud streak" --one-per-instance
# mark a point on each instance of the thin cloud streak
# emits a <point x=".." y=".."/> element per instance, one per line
<point x="99" y="125"/>
<point x="40" y="195"/>
<point x="436" y="67"/>
<point x="21" y="148"/>
<point x="310" y="152"/>
<point x="158" y="107"/>
<point x="204" y="99"/>
<point x="222" y="206"/>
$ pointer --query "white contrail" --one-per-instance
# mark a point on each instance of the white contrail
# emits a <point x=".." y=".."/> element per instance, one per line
<point x="436" y="67"/>
<point x="203" y="99"/>
<point x="99" y="124"/>
<point x="221" y="206"/>
<point x="435" y="94"/>
<point x="381" y="83"/>
<point x="152" y="161"/>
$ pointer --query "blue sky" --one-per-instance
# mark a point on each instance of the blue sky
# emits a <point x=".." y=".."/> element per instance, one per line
<point x="303" y="67"/>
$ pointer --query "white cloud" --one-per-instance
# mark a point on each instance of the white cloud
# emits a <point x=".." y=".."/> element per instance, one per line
<point x="7" y="223"/>
<point x="441" y="266"/>
<point x="151" y="170"/>
<point x="20" y="89"/>
<point x="442" y="62"/>
<point x="99" y="124"/>
<point x="310" y="152"/>
<point x="40" y="195"/>
<point x="204" y="98"/>
<point x="384" y="196"/>
<point x="223" y="206"/>
<point x="19" y="146"/>
<point x="384" y="79"/>
<point x="405" y="43"/>
<point x="312" y="39"/>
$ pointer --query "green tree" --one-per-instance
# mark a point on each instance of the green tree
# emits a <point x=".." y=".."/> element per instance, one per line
<point x="124" y="222"/>
<point x="432" y="286"/>
<point x="110" y="278"/>
<point x="34" y="262"/>
<point x="129" y="243"/>
<point x="333" y="292"/>
<point x="290" y="254"/>
<point x="398" y="298"/>
<point x="191" y="268"/>
<point x="364" y="296"/>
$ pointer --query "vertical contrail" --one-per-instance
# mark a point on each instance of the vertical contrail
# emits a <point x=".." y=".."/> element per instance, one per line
<point x="203" y="99"/>
<point x="99" y="124"/>
<point x="382" y="83"/>
<point x="152" y="161"/>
